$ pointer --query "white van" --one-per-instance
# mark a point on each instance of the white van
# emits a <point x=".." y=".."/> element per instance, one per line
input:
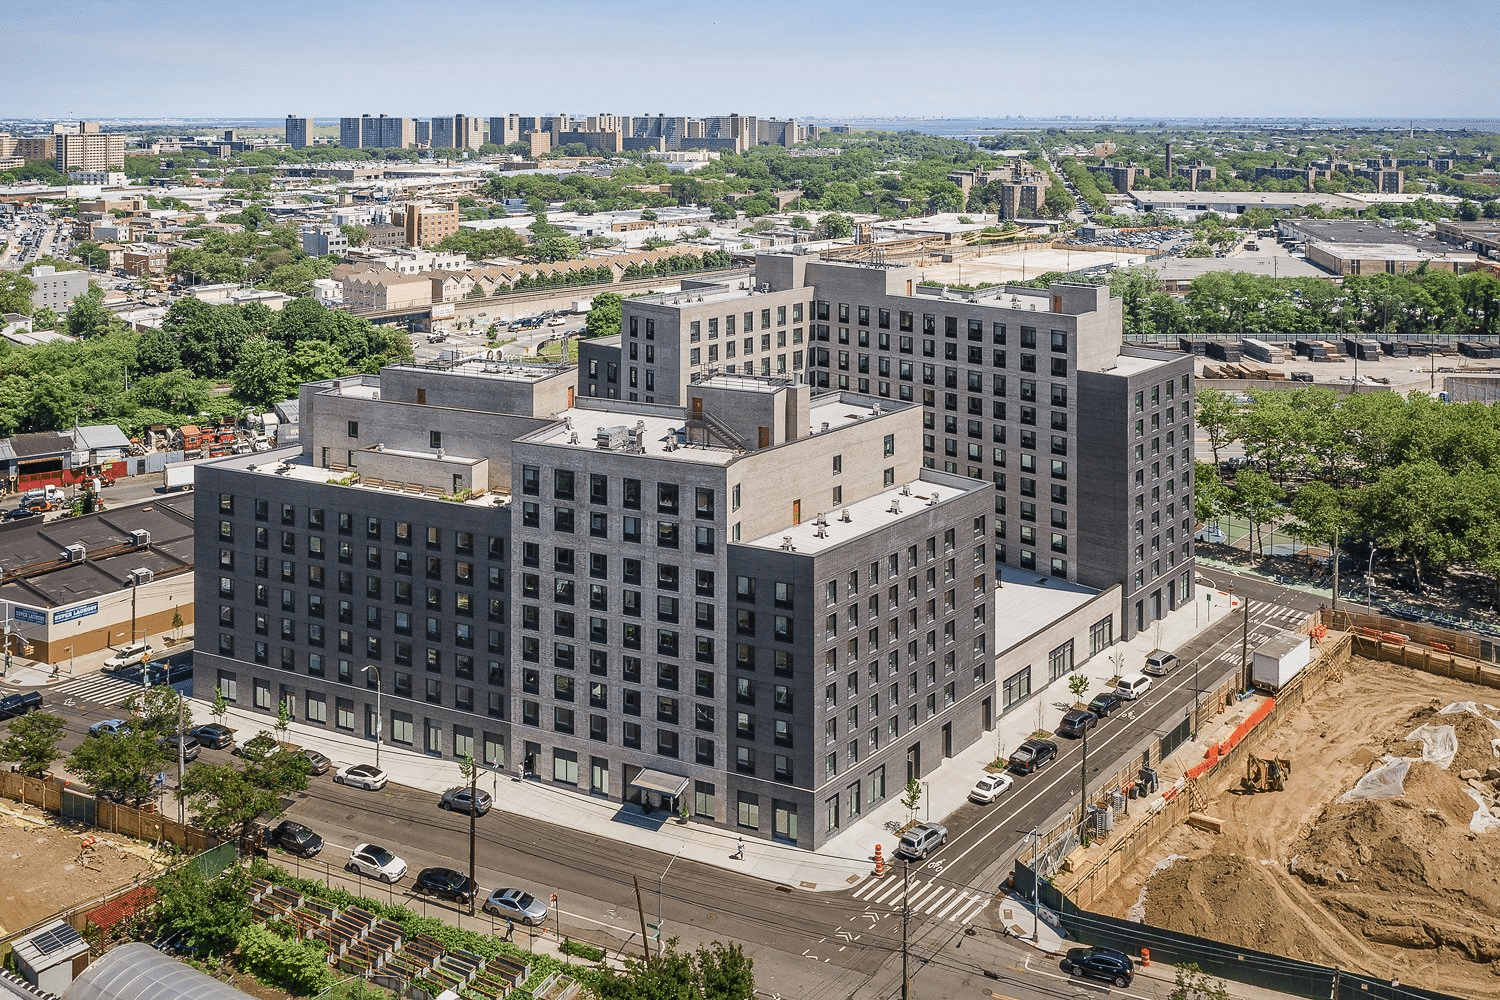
<point x="128" y="656"/>
<point x="1132" y="686"/>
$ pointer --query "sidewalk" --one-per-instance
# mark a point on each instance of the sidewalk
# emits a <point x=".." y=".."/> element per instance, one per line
<point x="837" y="865"/>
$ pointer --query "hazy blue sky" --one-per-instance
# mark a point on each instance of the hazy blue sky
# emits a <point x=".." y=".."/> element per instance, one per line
<point x="268" y="58"/>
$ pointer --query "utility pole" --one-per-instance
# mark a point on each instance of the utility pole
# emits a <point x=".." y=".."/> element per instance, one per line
<point x="181" y="763"/>
<point x="1245" y="647"/>
<point x="641" y="909"/>
<point x="905" y="916"/>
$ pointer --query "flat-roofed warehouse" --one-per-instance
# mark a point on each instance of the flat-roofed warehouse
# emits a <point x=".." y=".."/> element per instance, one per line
<point x="76" y="585"/>
<point x="1356" y="246"/>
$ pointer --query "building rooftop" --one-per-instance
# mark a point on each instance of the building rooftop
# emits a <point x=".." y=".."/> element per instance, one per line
<point x="660" y="431"/>
<point x="1026" y="602"/>
<point x="479" y="365"/>
<point x="825" y="530"/>
<point x="35" y="572"/>
<point x="700" y="294"/>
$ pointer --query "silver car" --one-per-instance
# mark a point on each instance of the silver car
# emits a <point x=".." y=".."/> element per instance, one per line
<point x="517" y="905"/>
<point x="921" y="840"/>
<point x="457" y="799"/>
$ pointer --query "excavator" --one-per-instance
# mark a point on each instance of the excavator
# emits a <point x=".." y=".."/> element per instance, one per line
<point x="1266" y="774"/>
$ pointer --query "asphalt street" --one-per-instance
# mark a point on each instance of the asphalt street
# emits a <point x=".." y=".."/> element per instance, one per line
<point x="805" y="944"/>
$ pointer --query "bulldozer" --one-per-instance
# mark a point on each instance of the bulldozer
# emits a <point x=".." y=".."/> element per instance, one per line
<point x="1266" y="774"/>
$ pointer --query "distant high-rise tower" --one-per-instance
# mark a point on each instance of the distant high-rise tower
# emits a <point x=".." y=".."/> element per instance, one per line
<point x="89" y="149"/>
<point x="296" y="131"/>
<point x="1169" y="159"/>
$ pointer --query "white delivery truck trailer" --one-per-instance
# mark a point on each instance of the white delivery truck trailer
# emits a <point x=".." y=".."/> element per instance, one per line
<point x="177" y="476"/>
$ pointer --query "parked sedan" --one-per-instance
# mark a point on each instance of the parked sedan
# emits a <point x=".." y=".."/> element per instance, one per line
<point x="316" y="762"/>
<point x="1105" y="703"/>
<point x="457" y="799"/>
<point x="109" y="727"/>
<point x="372" y="861"/>
<point x="517" y="905"/>
<point x="446" y="883"/>
<point x="214" y="736"/>
<point x="990" y="787"/>
<point x="1032" y="755"/>
<point x="366" y="776"/>
<point x="294" y="838"/>
<point x="20" y="512"/>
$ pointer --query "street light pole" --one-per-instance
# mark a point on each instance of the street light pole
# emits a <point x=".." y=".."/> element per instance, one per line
<point x="133" y="589"/>
<point x="378" y="720"/>
<point x="1370" y="583"/>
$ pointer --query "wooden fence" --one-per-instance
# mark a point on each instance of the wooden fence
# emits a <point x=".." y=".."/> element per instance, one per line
<point x="129" y="821"/>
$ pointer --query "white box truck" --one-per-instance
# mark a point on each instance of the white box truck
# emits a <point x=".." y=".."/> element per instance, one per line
<point x="177" y="476"/>
<point x="1277" y="660"/>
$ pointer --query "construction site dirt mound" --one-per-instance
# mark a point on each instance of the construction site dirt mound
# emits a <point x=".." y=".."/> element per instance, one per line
<point x="1388" y="886"/>
<point x="1196" y="896"/>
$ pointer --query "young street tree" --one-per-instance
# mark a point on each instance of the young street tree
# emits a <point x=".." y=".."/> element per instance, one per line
<point x="1078" y="683"/>
<point x="227" y="800"/>
<point x="32" y="743"/>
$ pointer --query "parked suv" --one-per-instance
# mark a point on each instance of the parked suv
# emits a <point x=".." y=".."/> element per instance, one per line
<point x="921" y="840"/>
<point x="1032" y="755"/>
<point x="1077" y="722"/>
<point x="1100" y="963"/>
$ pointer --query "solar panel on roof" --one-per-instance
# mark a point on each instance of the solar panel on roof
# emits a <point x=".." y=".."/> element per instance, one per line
<point x="55" y="939"/>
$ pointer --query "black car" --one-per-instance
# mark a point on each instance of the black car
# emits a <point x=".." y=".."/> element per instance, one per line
<point x="446" y="883"/>
<point x="1100" y="963"/>
<point x="1104" y="704"/>
<point x="1077" y="722"/>
<point x="214" y="736"/>
<point x="20" y="512"/>
<point x="294" y="838"/>
<point x="13" y="705"/>
<point x="156" y="673"/>
<point x="1032" y="755"/>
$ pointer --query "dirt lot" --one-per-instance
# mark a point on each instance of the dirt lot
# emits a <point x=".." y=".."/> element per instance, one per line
<point x="1393" y="887"/>
<point x="43" y="873"/>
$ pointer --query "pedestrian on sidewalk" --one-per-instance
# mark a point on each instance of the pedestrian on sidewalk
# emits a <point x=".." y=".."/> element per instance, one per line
<point x="739" y="851"/>
<point x="510" y="929"/>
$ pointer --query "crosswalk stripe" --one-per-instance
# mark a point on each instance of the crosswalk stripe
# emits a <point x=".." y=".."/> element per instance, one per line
<point x="959" y="898"/>
<point x="891" y="889"/>
<point x="930" y="904"/>
<point x="968" y="913"/>
<point x="105" y="690"/>
<point x="924" y="895"/>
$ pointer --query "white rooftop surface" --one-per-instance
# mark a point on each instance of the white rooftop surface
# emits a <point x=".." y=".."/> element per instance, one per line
<point x="827" y="529"/>
<point x="662" y="435"/>
<point x="1027" y="602"/>
<point x="289" y="463"/>
<point x="1129" y="364"/>
<point x="711" y="293"/>
<point x="509" y="371"/>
